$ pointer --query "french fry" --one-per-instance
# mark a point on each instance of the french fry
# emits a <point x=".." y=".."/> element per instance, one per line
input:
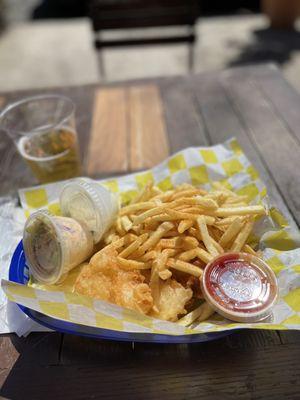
<point x="132" y="264"/>
<point x="247" y="210"/>
<point x="123" y="241"/>
<point x="150" y="255"/>
<point x="155" y="237"/>
<point x="218" y="247"/>
<point x="231" y="232"/>
<point x="174" y="216"/>
<point x="137" y="229"/>
<point x="111" y="237"/>
<point x="118" y="242"/>
<point x="155" y="191"/>
<point x="170" y="252"/>
<point x="184" y="267"/>
<point x="204" y="255"/>
<point x="227" y="221"/>
<point x="134" y="246"/>
<point x="126" y="223"/>
<point x="242" y="237"/>
<point x="207" y="240"/>
<point x="119" y="228"/>
<point x="173" y="243"/>
<point x="171" y="234"/>
<point x="160" y="218"/>
<point x="233" y="205"/>
<point x="149" y="213"/>
<point x="203" y="202"/>
<point x="147" y="193"/>
<point x="206" y="203"/>
<point x="151" y="224"/>
<point x="165" y="274"/>
<point x="179" y="214"/>
<point x="199" y="211"/>
<point x="164" y="197"/>
<point x="215" y="233"/>
<point x="162" y="259"/>
<point x="188" y="255"/>
<point x="189" y="242"/>
<point x="154" y="285"/>
<point x="195" y="232"/>
<point x="184" y="225"/>
<point x="219" y="196"/>
<point x="184" y="186"/>
<point x="219" y="186"/>
<point x="133" y="208"/>
<point x="248" y="249"/>
<point x="200" y="314"/>
<point x="144" y="194"/>
<point x="237" y="199"/>
<point x="178" y="242"/>
<point x="188" y="193"/>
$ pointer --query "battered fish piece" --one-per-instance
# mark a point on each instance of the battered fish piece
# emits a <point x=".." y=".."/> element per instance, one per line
<point x="172" y="301"/>
<point x="189" y="281"/>
<point x="103" y="279"/>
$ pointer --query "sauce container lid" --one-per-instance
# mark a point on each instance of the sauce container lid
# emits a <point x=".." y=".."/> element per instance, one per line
<point x="240" y="287"/>
<point x="90" y="203"/>
<point x="40" y="225"/>
<point x="53" y="245"/>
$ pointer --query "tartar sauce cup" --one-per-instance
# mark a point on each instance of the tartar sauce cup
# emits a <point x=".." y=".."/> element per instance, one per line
<point x="91" y="203"/>
<point x="54" y="245"/>
<point x="240" y="287"/>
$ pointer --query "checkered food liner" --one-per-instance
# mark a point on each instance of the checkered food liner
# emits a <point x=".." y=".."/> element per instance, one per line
<point x="200" y="166"/>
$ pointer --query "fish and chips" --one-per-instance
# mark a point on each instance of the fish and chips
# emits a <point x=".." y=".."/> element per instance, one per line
<point x="153" y="257"/>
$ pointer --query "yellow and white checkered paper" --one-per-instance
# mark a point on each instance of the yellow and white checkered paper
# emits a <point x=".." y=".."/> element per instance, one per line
<point x="199" y="166"/>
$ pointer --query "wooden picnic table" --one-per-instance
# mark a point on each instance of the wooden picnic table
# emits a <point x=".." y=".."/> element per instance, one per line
<point x="131" y="126"/>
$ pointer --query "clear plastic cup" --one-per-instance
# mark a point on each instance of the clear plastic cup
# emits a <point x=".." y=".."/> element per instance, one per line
<point x="43" y="130"/>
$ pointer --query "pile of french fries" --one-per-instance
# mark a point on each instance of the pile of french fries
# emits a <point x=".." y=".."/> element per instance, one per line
<point x="181" y="230"/>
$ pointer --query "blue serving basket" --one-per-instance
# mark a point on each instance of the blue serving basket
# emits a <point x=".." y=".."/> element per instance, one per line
<point x="19" y="272"/>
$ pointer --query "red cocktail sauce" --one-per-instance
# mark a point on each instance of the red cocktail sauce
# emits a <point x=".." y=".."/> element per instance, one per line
<point x="240" y="286"/>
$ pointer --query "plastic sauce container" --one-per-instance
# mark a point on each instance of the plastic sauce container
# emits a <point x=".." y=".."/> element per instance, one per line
<point x="54" y="245"/>
<point x="90" y="203"/>
<point x="240" y="287"/>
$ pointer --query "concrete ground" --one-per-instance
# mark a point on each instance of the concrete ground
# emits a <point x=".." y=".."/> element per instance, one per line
<point x="53" y="53"/>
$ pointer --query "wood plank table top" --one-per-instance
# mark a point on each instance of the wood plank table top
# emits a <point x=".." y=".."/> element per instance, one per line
<point x="131" y="126"/>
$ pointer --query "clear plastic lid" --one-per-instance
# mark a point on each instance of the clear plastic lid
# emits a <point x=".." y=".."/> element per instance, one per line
<point x="89" y="203"/>
<point x="240" y="286"/>
<point x="54" y="245"/>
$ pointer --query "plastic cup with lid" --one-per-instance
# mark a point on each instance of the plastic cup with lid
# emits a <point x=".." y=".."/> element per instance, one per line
<point x="91" y="203"/>
<point x="240" y="287"/>
<point x="54" y="245"/>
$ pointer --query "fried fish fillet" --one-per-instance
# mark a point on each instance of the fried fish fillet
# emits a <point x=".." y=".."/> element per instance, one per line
<point x="103" y="279"/>
<point x="172" y="300"/>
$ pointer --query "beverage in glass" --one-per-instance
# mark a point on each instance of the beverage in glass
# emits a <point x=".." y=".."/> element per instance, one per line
<point x="43" y="129"/>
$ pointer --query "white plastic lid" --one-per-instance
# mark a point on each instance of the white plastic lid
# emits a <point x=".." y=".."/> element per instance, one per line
<point x="40" y="226"/>
<point x="89" y="203"/>
<point x="54" y="245"/>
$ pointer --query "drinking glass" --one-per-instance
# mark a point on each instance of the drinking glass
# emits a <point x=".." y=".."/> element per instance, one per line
<point x="43" y="130"/>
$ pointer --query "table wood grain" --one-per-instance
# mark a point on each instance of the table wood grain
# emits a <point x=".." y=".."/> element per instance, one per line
<point x="131" y="126"/>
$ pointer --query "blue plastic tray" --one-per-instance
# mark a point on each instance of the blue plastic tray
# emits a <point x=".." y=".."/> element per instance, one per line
<point x="19" y="273"/>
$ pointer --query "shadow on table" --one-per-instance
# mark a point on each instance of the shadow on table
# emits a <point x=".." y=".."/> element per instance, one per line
<point x="267" y="45"/>
<point x="55" y="366"/>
